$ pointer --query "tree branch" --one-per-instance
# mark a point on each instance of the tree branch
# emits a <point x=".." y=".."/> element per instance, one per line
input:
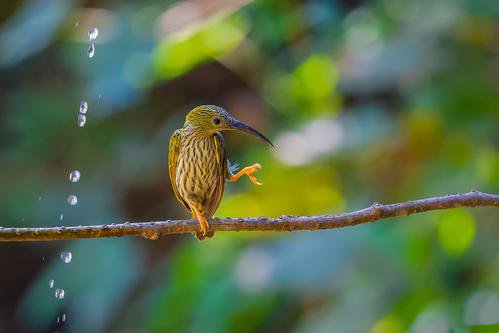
<point x="152" y="230"/>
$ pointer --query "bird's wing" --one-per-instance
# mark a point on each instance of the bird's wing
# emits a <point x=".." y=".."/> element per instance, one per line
<point x="173" y="154"/>
<point x="222" y="166"/>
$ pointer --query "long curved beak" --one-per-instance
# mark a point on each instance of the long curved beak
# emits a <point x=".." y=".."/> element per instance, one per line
<point x="237" y="125"/>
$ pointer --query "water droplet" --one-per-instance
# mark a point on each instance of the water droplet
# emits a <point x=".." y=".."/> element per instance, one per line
<point x="91" y="50"/>
<point x="51" y="283"/>
<point x="82" y="120"/>
<point x="58" y="319"/>
<point x="66" y="257"/>
<point x="61" y="217"/>
<point x="83" y="107"/>
<point x="72" y="199"/>
<point x="76" y="23"/>
<point x="40" y="198"/>
<point x="92" y="34"/>
<point x="63" y="317"/>
<point x="100" y="96"/>
<point x="74" y="176"/>
<point x="59" y="293"/>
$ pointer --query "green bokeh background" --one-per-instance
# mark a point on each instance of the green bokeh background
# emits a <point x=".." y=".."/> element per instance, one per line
<point x="365" y="101"/>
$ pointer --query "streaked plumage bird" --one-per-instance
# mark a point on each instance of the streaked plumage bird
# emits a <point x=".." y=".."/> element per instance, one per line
<point x="198" y="165"/>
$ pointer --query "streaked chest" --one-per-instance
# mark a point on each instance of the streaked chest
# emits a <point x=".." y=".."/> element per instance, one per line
<point x="197" y="170"/>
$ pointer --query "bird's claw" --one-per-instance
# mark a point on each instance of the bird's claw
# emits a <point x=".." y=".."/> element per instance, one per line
<point x="201" y="235"/>
<point x="204" y="227"/>
<point x="252" y="169"/>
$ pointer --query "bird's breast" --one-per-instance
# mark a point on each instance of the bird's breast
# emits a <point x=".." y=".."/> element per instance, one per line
<point x="197" y="170"/>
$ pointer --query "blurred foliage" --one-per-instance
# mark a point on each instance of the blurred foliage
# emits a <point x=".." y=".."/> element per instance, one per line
<point x="366" y="101"/>
<point x="176" y="55"/>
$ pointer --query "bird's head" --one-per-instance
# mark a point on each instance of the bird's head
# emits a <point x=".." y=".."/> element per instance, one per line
<point x="212" y="118"/>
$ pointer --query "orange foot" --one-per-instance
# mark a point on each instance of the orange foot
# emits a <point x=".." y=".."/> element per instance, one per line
<point x="249" y="172"/>
<point x="204" y="226"/>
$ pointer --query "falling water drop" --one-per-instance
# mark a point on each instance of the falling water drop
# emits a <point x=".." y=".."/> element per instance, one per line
<point x="74" y="176"/>
<point x="66" y="257"/>
<point x="61" y="217"/>
<point x="63" y="317"/>
<point x="58" y="319"/>
<point x="72" y="199"/>
<point x="51" y="283"/>
<point x="59" y="293"/>
<point x="82" y="120"/>
<point x="76" y="23"/>
<point x="92" y="34"/>
<point x="83" y="107"/>
<point x="91" y="50"/>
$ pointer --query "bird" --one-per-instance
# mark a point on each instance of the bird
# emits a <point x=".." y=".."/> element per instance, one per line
<point x="198" y="165"/>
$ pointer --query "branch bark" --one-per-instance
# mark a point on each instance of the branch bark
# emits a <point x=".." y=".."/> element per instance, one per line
<point x="152" y="230"/>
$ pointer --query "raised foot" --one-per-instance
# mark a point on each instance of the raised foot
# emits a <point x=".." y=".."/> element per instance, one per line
<point x="249" y="171"/>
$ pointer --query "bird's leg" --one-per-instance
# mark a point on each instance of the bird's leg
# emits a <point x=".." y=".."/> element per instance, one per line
<point x="204" y="226"/>
<point x="247" y="171"/>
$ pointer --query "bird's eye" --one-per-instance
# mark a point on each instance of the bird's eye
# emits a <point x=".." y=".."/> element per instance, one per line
<point x="216" y="121"/>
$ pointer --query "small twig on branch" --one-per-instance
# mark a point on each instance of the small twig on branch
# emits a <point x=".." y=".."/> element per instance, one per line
<point x="152" y="230"/>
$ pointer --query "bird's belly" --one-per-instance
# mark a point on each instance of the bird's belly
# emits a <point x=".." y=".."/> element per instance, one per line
<point x="197" y="174"/>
